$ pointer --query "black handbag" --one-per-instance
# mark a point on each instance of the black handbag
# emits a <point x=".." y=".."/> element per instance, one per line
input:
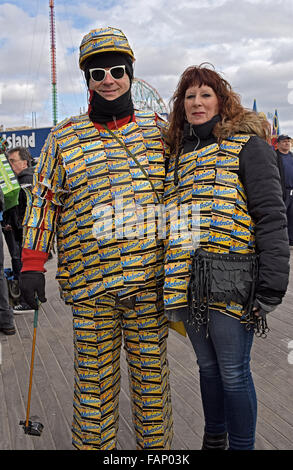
<point x="222" y="278"/>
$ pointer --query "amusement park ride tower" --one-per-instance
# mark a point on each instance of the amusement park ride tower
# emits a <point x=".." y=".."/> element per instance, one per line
<point x="145" y="96"/>
<point x="53" y="61"/>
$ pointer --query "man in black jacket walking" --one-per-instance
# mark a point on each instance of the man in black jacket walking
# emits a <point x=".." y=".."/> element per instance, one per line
<point x="285" y="158"/>
<point x="20" y="161"/>
<point x="6" y="313"/>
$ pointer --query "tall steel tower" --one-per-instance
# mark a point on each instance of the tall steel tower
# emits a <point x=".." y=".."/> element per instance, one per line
<point x="53" y="62"/>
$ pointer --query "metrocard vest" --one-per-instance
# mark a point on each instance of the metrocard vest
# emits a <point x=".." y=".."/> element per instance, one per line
<point x="105" y="243"/>
<point x="207" y="209"/>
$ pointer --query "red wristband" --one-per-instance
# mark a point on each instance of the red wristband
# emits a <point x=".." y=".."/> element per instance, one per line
<point x="33" y="260"/>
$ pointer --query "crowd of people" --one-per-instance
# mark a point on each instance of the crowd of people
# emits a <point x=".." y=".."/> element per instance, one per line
<point x="217" y="281"/>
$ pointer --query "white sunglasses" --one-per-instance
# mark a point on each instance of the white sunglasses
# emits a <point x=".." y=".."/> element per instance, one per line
<point x="98" y="75"/>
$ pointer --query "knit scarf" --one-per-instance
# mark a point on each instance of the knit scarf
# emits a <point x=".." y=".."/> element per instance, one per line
<point x="102" y="110"/>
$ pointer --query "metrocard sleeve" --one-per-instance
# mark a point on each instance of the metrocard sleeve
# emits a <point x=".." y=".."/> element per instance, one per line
<point x="49" y="188"/>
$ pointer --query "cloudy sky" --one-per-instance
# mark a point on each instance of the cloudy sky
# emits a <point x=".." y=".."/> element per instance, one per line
<point x="250" y="42"/>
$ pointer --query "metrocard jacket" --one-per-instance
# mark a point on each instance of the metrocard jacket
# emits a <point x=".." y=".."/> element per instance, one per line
<point x="90" y="194"/>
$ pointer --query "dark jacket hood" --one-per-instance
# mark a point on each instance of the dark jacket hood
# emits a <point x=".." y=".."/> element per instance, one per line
<point x="26" y="176"/>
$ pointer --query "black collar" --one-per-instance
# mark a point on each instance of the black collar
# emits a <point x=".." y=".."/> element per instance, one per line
<point x="102" y="110"/>
<point x="198" y="136"/>
<point x="203" y="131"/>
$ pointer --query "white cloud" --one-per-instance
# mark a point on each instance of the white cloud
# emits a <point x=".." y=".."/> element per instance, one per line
<point x="249" y="42"/>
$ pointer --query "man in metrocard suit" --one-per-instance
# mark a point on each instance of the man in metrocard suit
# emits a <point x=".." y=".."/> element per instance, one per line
<point x="96" y="176"/>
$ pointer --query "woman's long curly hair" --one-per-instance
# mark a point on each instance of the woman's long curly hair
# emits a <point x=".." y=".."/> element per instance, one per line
<point x="234" y="117"/>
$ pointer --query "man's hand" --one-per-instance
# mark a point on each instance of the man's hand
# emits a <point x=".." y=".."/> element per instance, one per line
<point x="32" y="285"/>
<point x="7" y="228"/>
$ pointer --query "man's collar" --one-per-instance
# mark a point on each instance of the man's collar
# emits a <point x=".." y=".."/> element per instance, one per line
<point x="115" y="124"/>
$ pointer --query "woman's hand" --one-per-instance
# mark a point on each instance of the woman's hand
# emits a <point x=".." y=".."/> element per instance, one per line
<point x="256" y="311"/>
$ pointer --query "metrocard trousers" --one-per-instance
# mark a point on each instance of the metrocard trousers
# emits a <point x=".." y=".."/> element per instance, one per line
<point x="97" y="342"/>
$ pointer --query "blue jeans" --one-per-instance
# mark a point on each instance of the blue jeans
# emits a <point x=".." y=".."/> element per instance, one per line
<point x="227" y="389"/>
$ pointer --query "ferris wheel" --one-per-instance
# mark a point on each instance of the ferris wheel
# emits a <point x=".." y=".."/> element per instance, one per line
<point x="144" y="96"/>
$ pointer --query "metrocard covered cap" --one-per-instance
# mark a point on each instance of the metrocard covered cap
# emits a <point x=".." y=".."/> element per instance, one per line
<point x="103" y="40"/>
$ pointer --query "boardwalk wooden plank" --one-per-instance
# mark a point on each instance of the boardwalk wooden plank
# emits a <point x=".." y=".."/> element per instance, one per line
<point x="43" y="402"/>
<point x="22" y="367"/>
<point x="13" y="399"/>
<point x="261" y="442"/>
<point x="60" y="347"/>
<point x="54" y="390"/>
<point x="276" y="440"/>
<point x="20" y="351"/>
<point x="276" y="424"/>
<point x="5" y="438"/>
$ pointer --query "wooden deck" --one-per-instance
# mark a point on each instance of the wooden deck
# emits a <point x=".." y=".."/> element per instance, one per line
<point x="53" y="376"/>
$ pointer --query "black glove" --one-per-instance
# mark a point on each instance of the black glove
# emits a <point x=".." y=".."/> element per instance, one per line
<point x="32" y="285"/>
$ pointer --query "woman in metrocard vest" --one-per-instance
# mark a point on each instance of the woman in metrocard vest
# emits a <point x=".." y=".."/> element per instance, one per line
<point x="222" y="196"/>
